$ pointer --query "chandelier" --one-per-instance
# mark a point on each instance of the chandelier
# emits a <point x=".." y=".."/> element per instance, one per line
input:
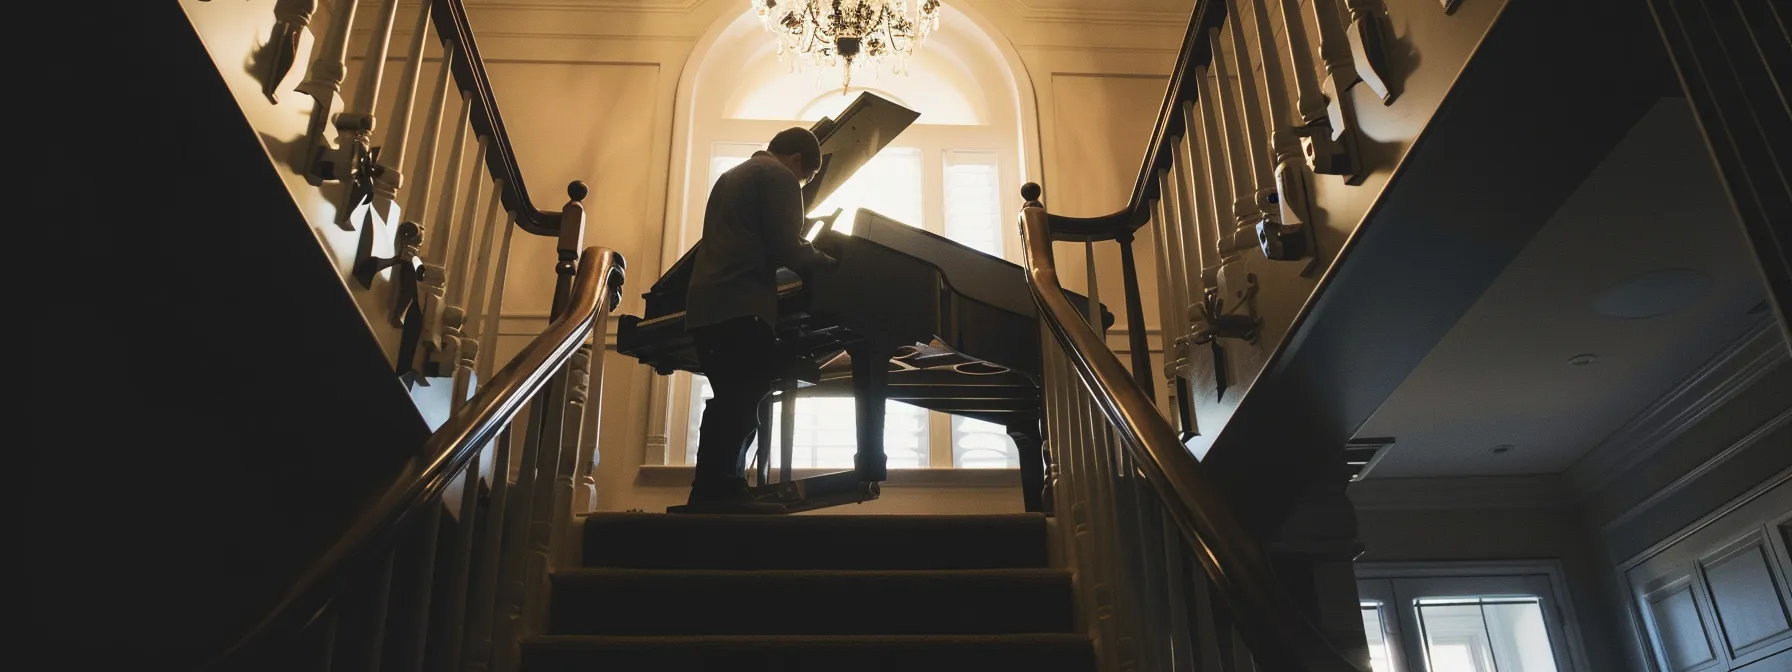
<point x="848" y="32"/>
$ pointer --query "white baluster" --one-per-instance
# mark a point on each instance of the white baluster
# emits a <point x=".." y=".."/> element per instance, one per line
<point x="1169" y="288"/>
<point x="1368" y="45"/>
<point x="417" y="210"/>
<point x="1257" y="149"/>
<point x="1225" y="106"/>
<point x="494" y="312"/>
<point x="475" y="300"/>
<point x="390" y="176"/>
<point x="367" y="93"/>
<point x="1216" y="153"/>
<point x="580" y="380"/>
<point x="291" y="17"/>
<point x="431" y="290"/>
<point x="454" y="316"/>
<point x="352" y="159"/>
<point x="1309" y="101"/>
<point x="1293" y="179"/>
<point x="323" y="82"/>
<point x="1200" y="234"/>
<point x="1182" y="256"/>
<point x="442" y="357"/>
<point x="1334" y="153"/>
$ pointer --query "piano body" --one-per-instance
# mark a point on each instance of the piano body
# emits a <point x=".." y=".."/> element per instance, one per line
<point x="907" y="315"/>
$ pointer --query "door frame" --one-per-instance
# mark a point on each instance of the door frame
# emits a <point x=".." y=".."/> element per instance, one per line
<point x="1551" y="569"/>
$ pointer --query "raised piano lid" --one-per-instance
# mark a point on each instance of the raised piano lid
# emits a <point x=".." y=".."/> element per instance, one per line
<point x="863" y="130"/>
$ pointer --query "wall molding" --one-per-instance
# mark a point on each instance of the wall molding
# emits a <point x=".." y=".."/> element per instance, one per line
<point x="1783" y="419"/>
<point x="1732" y="370"/>
<point x="1541" y="491"/>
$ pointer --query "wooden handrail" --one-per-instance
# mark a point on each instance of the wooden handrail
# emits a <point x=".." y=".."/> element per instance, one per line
<point x="1279" y="635"/>
<point x="450" y="19"/>
<point x="596" y="290"/>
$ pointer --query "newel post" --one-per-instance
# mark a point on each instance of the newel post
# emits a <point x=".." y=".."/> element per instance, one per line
<point x="572" y="240"/>
<point x="1039" y="472"/>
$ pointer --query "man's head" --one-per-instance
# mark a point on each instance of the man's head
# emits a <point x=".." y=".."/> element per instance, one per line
<point x="798" y="150"/>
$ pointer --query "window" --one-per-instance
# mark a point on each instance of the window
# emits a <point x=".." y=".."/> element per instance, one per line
<point x="1456" y="618"/>
<point x="889" y="184"/>
<point x="973" y="200"/>
<point x="982" y="445"/>
<point x="1375" y="633"/>
<point x="727" y="155"/>
<point x="1482" y="634"/>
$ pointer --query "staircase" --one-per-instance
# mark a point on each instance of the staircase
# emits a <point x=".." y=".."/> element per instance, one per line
<point x="933" y="593"/>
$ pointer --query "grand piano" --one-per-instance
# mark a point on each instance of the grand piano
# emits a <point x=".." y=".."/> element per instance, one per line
<point x="907" y="315"/>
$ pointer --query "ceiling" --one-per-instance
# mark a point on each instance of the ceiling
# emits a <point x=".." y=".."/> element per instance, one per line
<point x="1502" y="377"/>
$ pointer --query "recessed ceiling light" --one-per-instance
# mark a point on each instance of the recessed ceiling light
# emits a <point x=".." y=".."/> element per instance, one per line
<point x="1502" y="449"/>
<point x="1582" y="359"/>
<point x="1652" y="294"/>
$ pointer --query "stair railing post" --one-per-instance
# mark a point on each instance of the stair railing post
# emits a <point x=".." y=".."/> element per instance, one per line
<point x="1135" y="315"/>
<point x="352" y="160"/>
<point x="291" y="18"/>
<point x="1217" y="145"/>
<point x="389" y="178"/>
<point x="1332" y="148"/>
<point x="494" y="310"/>
<point x="431" y="274"/>
<point x="1293" y="184"/>
<point x="483" y="603"/>
<point x="443" y="349"/>
<point x="1236" y="137"/>
<point x="323" y="82"/>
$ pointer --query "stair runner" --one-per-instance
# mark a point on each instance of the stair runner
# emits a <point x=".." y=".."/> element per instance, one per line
<point x="811" y="593"/>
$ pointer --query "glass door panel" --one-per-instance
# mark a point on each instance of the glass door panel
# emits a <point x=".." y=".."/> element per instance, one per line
<point x="1463" y="624"/>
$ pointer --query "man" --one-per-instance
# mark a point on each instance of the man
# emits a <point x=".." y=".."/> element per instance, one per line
<point x="752" y="225"/>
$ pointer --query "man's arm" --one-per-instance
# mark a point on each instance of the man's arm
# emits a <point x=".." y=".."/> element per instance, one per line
<point x="783" y="199"/>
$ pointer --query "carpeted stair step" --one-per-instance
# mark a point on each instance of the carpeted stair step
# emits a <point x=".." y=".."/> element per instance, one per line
<point x="862" y="653"/>
<point x="810" y="602"/>
<point x="661" y="541"/>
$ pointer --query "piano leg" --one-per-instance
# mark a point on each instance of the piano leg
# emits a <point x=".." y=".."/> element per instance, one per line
<point x="1026" y="435"/>
<point x="763" y="442"/>
<point x="870" y="378"/>
<point x="787" y="420"/>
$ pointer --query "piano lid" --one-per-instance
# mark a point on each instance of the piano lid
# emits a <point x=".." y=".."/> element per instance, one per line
<point x="847" y="143"/>
<point x="864" y="128"/>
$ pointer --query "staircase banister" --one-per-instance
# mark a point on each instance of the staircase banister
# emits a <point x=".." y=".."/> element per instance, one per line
<point x="1279" y="634"/>
<point x="450" y="19"/>
<point x="596" y="290"/>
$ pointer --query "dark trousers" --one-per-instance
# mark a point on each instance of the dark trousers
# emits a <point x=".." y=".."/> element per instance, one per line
<point x="736" y="356"/>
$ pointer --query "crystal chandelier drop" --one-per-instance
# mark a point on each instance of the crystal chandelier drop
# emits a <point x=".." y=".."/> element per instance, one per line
<point x="848" y="32"/>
